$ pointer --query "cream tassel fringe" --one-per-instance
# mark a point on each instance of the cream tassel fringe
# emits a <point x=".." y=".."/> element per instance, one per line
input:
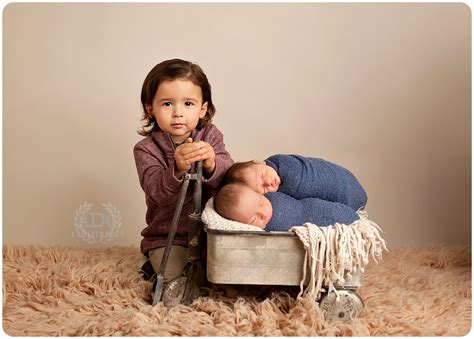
<point x="336" y="250"/>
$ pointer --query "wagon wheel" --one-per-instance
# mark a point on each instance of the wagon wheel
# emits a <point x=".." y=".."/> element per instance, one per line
<point x="344" y="308"/>
<point x="180" y="291"/>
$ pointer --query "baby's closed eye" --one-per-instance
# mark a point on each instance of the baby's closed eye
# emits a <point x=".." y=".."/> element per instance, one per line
<point x="253" y="220"/>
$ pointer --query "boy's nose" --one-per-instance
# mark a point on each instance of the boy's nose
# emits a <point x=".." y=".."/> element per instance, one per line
<point x="177" y="113"/>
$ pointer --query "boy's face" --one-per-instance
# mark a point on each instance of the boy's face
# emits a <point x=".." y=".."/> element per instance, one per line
<point x="253" y="209"/>
<point x="177" y="108"/>
<point x="261" y="178"/>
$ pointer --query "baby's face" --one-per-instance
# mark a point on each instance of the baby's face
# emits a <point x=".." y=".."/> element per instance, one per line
<point x="261" y="178"/>
<point x="253" y="209"/>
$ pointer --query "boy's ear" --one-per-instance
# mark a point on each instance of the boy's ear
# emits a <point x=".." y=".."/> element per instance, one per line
<point x="149" y="109"/>
<point x="203" y="112"/>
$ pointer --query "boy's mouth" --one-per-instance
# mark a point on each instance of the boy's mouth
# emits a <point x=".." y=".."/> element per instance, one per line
<point x="177" y="125"/>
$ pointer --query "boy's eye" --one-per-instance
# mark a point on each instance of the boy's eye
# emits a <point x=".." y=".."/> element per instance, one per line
<point x="167" y="104"/>
<point x="188" y="103"/>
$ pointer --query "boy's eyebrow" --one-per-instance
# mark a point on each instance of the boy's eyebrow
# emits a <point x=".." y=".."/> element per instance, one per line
<point x="164" y="99"/>
<point x="171" y="99"/>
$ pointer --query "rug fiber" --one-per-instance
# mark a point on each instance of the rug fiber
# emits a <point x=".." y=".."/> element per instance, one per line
<point x="61" y="291"/>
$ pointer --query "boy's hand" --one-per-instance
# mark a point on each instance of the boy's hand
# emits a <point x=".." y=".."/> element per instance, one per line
<point x="208" y="156"/>
<point x="184" y="156"/>
<point x="190" y="152"/>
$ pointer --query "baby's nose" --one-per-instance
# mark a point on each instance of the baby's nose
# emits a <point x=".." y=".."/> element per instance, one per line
<point x="270" y="185"/>
<point x="268" y="182"/>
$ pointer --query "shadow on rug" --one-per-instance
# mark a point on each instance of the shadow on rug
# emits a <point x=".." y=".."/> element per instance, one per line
<point x="60" y="291"/>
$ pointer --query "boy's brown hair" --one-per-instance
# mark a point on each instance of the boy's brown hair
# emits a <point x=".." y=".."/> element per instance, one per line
<point x="171" y="70"/>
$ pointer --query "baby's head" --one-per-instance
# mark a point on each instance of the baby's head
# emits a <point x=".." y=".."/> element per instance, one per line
<point x="256" y="174"/>
<point x="238" y="202"/>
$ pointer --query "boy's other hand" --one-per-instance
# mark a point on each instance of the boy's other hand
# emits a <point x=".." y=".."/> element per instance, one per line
<point x="189" y="152"/>
<point x="208" y="156"/>
<point x="185" y="155"/>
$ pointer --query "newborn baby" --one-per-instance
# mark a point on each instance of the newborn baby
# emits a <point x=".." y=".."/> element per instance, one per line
<point x="299" y="189"/>
<point x="276" y="211"/>
<point x="300" y="177"/>
<point x="239" y="202"/>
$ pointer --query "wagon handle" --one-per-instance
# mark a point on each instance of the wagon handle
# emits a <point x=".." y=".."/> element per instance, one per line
<point x="174" y="225"/>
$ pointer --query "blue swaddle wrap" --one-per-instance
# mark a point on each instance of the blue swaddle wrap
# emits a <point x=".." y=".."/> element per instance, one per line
<point x="288" y="212"/>
<point x="313" y="190"/>
<point x="304" y="177"/>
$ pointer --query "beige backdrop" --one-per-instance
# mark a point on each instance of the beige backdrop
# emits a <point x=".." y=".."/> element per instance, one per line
<point x="382" y="89"/>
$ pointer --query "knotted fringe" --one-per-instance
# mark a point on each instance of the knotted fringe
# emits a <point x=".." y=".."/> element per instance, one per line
<point x="336" y="250"/>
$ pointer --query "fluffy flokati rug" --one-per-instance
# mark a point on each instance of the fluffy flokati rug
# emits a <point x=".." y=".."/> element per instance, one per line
<point x="59" y="291"/>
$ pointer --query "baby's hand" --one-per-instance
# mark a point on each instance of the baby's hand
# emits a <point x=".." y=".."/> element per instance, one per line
<point x="185" y="155"/>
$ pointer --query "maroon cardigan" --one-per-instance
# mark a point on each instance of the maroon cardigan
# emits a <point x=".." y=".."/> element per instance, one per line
<point x="154" y="157"/>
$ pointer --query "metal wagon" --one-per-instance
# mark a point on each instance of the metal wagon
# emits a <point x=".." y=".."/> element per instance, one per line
<point x="274" y="258"/>
<point x="247" y="258"/>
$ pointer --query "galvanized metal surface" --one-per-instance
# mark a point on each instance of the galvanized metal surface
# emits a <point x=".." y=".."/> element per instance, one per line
<point x="180" y="291"/>
<point x="259" y="258"/>
<point x="343" y="308"/>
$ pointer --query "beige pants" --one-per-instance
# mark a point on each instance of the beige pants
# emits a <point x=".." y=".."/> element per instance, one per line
<point x="176" y="261"/>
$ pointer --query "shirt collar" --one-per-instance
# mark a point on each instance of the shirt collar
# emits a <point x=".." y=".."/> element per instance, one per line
<point x="166" y="141"/>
